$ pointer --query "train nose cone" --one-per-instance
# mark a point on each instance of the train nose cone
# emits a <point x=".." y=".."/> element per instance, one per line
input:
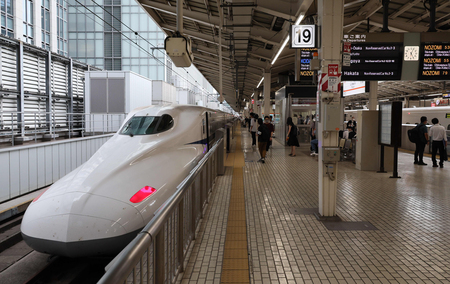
<point x="80" y="224"/>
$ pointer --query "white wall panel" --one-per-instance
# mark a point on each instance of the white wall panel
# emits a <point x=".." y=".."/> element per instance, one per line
<point x="68" y="161"/>
<point x="79" y="153"/>
<point x="14" y="174"/>
<point x="55" y="163"/>
<point x="4" y="176"/>
<point x="32" y="168"/>
<point x="73" y="152"/>
<point x="27" y="168"/>
<point x="23" y="172"/>
<point x="62" y="160"/>
<point x="48" y="165"/>
<point x="41" y="167"/>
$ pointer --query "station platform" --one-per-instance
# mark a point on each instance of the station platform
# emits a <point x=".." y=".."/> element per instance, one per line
<point x="259" y="226"/>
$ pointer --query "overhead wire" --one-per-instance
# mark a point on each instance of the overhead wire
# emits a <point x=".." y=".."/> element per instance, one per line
<point x="131" y="40"/>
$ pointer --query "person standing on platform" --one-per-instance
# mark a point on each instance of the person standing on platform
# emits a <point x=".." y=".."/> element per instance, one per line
<point x="253" y="128"/>
<point x="291" y="137"/>
<point x="263" y="139"/>
<point x="423" y="140"/>
<point x="269" y="126"/>
<point x="439" y="136"/>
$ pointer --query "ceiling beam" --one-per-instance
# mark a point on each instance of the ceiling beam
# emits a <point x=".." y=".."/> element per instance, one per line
<point x="399" y="24"/>
<point x="427" y="14"/>
<point x="404" y="8"/>
<point x="197" y="35"/>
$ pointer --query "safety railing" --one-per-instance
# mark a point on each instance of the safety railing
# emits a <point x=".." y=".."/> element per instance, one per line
<point x="28" y="126"/>
<point x="158" y="252"/>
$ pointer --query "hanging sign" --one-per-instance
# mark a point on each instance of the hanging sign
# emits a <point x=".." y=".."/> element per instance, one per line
<point x="303" y="36"/>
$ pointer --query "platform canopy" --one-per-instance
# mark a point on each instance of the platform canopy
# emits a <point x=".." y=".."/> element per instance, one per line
<point x="254" y="31"/>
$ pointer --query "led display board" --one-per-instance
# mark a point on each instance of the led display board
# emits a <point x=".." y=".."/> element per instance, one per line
<point x="434" y="61"/>
<point x="306" y="54"/>
<point x="374" y="61"/>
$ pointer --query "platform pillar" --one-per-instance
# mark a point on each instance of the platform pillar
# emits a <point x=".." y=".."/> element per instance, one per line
<point x="330" y="15"/>
<point x="373" y="95"/>
<point x="267" y="80"/>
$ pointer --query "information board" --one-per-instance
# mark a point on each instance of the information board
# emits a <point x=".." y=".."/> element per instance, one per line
<point x="374" y="61"/>
<point x="390" y="123"/>
<point x="434" y="61"/>
<point x="306" y="54"/>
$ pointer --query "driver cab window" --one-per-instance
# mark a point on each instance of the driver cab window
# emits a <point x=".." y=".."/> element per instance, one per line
<point x="166" y="122"/>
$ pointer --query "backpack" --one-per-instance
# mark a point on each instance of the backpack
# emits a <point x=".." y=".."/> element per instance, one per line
<point x="414" y="134"/>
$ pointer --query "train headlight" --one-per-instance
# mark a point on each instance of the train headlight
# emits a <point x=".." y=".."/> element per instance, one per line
<point x="143" y="193"/>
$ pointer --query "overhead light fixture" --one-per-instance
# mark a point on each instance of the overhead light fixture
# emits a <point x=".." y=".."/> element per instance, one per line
<point x="253" y="95"/>
<point x="262" y="79"/>
<point x="300" y="18"/>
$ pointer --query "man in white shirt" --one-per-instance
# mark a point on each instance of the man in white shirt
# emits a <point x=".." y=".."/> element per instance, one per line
<point x="253" y="128"/>
<point x="439" y="136"/>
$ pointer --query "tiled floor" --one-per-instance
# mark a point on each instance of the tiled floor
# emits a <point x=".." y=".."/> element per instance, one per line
<point x="412" y="215"/>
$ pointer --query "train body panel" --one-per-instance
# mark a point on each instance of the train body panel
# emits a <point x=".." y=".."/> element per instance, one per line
<point x="93" y="202"/>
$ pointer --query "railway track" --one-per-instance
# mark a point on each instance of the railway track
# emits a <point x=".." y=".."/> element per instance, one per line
<point x="20" y="264"/>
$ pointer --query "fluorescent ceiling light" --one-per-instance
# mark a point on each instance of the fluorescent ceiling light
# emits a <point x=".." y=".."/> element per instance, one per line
<point x="300" y="18"/>
<point x="253" y="95"/>
<point x="262" y="79"/>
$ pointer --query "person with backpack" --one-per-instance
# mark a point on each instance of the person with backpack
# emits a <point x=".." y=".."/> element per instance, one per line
<point x="263" y="139"/>
<point x="421" y="142"/>
<point x="439" y="136"/>
<point x="291" y="137"/>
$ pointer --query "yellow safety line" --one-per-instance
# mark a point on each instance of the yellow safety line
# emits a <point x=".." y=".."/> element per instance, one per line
<point x="235" y="259"/>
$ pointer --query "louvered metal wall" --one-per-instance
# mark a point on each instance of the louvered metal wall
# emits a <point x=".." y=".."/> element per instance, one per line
<point x="35" y="90"/>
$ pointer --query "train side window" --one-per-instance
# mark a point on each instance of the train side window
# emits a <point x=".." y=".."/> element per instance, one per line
<point x="203" y="126"/>
<point x="165" y="123"/>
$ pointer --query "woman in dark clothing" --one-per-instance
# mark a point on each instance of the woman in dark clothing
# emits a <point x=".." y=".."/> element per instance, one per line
<point x="292" y="136"/>
<point x="263" y="139"/>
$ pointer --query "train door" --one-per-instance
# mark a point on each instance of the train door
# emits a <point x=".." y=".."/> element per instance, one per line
<point x="205" y="131"/>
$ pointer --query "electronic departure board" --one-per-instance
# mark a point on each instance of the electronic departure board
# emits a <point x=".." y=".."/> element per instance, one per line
<point x="306" y="54"/>
<point x="374" y="61"/>
<point x="434" y="61"/>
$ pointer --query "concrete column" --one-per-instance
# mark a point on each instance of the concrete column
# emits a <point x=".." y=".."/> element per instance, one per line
<point x="330" y="15"/>
<point x="37" y="24"/>
<point x="373" y="95"/>
<point x="267" y="80"/>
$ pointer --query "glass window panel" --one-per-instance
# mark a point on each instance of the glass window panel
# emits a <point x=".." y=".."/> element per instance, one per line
<point x="143" y="20"/>
<point x="99" y="35"/>
<point x="80" y="22"/>
<point x="98" y="48"/>
<point x="47" y="20"/>
<point x="98" y="26"/>
<point x="126" y="2"/>
<point x="3" y="20"/>
<point x="81" y="48"/>
<point x="72" y="35"/>
<point x="73" y="48"/>
<point x="125" y="61"/>
<point x="30" y="12"/>
<point x="125" y="9"/>
<point x="135" y="9"/>
<point x="3" y="7"/>
<point x="72" y="22"/>
<point x="126" y="20"/>
<point x="47" y="38"/>
<point x="134" y="23"/>
<point x="90" y="24"/>
<point x="89" y="35"/>
<point x="24" y="10"/>
<point x="9" y="8"/>
<point x="90" y="48"/>
<point x="81" y="35"/>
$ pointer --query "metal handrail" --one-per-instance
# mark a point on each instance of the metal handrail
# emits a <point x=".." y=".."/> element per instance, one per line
<point x="131" y="261"/>
<point x="31" y="124"/>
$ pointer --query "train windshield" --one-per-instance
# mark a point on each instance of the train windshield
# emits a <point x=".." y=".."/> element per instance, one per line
<point x="145" y="125"/>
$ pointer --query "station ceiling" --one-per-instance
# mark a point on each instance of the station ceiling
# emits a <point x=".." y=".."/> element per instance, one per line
<point x="254" y="30"/>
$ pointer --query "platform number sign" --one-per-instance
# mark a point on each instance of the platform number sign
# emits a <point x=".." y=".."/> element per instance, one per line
<point x="303" y="36"/>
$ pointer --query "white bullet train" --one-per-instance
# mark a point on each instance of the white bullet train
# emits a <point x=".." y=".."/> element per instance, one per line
<point x="98" y="208"/>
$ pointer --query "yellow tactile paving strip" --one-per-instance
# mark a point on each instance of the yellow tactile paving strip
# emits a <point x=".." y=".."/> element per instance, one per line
<point x="235" y="260"/>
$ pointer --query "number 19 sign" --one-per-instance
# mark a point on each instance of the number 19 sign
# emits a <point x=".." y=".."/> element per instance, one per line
<point x="303" y="36"/>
